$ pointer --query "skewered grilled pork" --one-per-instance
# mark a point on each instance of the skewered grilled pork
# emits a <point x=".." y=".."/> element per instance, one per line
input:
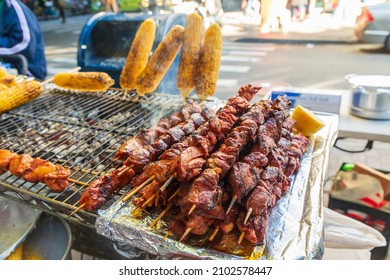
<point x="35" y="170"/>
<point x="188" y="157"/>
<point x="6" y="157"/>
<point x="141" y="156"/>
<point x="147" y="136"/>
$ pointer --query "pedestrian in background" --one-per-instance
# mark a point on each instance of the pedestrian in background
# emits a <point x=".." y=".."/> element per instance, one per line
<point x="60" y="7"/>
<point x="265" y="25"/>
<point x="20" y="33"/>
<point x="298" y="9"/>
<point x="111" y="5"/>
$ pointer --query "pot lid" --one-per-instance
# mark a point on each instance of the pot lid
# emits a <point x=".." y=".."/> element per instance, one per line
<point x="379" y="81"/>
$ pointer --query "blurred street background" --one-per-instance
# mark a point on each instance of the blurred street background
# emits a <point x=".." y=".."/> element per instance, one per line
<point x="315" y="52"/>
<point x="311" y="49"/>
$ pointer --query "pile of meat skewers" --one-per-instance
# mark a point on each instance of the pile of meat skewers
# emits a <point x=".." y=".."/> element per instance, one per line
<point x="35" y="170"/>
<point x="229" y="173"/>
<point x="142" y="149"/>
<point x="216" y="173"/>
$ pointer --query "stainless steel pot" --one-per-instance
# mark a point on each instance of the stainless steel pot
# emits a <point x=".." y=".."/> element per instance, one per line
<point x="370" y="96"/>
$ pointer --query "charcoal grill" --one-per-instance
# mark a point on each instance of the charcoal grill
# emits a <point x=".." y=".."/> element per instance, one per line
<point x="81" y="131"/>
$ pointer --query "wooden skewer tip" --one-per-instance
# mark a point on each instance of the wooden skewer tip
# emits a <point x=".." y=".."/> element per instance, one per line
<point x="78" y="182"/>
<point x="166" y="184"/>
<point x="248" y="214"/>
<point x="167" y="234"/>
<point x="77" y="210"/>
<point x="188" y="230"/>
<point x="231" y="204"/>
<point x="192" y="209"/>
<point x="242" y="235"/>
<point x="137" y="189"/>
<point x="155" y="221"/>
<point x="150" y="199"/>
<point x="174" y="194"/>
<point x="216" y="230"/>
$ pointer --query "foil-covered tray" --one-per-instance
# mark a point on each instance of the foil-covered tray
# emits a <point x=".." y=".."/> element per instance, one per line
<point x="295" y="229"/>
<point x="16" y="222"/>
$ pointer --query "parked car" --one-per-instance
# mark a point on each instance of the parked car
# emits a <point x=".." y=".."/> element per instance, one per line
<point x="373" y="24"/>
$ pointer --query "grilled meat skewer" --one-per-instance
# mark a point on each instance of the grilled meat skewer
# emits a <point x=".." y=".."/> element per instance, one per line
<point x="188" y="156"/>
<point x="223" y="159"/>
<point x="147" y="136"/>
<point x="272" y="186"/>
<point x="205" y="192"/>
<point x="35" y="170"/>
<point x="102" y="188"/>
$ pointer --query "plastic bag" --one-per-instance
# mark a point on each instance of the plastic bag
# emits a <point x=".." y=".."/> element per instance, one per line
<point x="343" y="232"/>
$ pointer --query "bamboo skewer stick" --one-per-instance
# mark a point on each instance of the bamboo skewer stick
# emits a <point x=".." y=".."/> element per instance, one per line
<point x="231" y="204"/>
<point x="248" y="214"/>
<point x="136" y="211"/>
<point x="150" y="199"/>
<point x="242" y="235"/>
<point x="188" y="230"/>
<point x="166" y="184"/>
<point x="174" y="194"/>
<point x="167" y="234"/>
<point x="212" y="236"/>
<point x="77" y="182"/>
<point x="77" y="210"/>
<point x="155" y="221"/>
<point x="192" y="209"/>
<point x="137" y="189"/>
<point x="125" y="170"/>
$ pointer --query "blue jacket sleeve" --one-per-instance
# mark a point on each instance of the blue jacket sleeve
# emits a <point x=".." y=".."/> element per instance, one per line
<point x="15" y="34"/>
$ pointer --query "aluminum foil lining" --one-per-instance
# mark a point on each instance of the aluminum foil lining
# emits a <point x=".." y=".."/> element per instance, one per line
<point x="295" y="229"/>
<point x="16" y="222"/>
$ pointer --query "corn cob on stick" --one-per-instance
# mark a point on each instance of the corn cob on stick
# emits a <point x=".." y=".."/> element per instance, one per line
<point x="84" y="81"/>
<point x="19" y="94"/>
<point x="189" y="56"/>
<point x="209" y="62"/>
<point x="160" y="61"/>
<point x="8" y="80"/>
<point x="138" y="55"/>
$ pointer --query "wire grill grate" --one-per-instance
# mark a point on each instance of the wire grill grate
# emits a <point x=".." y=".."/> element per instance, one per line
<point x="81" y="131"/>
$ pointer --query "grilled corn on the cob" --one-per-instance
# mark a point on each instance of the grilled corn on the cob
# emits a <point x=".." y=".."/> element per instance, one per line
<point x="209" y="62"/>
<point x="138" y="55"/>
<point x="160" y="61"/>
<point x="84" y="81"/>
<point x="189" y="56"/>
<point x="19" y="94"/>
<point x="2" y="87"/>
<point x="8" y="80"/>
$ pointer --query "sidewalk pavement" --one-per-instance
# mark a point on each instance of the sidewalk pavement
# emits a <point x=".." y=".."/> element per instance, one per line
<point x="316" y="28"/>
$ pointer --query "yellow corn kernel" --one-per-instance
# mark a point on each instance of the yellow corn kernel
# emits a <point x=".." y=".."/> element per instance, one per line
<point x="189" y="56"/>
<point x="3" y="72"/>
<point x="160" y="61"/>
<point x="138" y="55"/>
<point x="2" y="87"/>
<point x="84" y="81"/>
<point x="19" y="94"/>
<point x="209" y="62"/>
<point x="17" y="254"/>
<point x="8" y="80"/>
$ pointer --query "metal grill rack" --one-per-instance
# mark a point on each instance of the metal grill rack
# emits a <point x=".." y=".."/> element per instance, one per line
<point x="81" y="131"/>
